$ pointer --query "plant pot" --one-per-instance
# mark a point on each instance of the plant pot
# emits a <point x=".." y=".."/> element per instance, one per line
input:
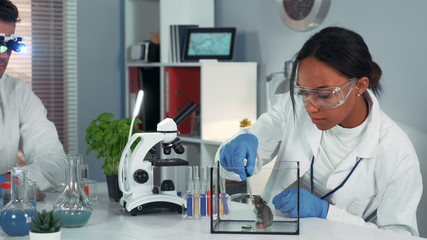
<point x="114" y="192"/>
<point x="45" y="236"/>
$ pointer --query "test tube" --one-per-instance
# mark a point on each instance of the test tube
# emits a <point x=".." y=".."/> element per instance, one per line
<point x="203" y="191"/>
<point x="84" y="171"/>
<point x="224" y="204"/>
<point x="209" y="190"/>
<point x="223" y="207"/>
<point x="89" y="186"/>
<point x="214" y="192"/>
<point x="189" y="194"/>
<point x="196" y="192"/>
<point x="31" y="189"/>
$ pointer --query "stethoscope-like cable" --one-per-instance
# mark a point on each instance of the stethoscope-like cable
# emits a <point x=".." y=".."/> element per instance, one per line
<point x="339" y="186"/>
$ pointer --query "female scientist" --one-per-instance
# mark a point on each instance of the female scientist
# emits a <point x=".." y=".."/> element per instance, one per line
<point x="355" y="162"/>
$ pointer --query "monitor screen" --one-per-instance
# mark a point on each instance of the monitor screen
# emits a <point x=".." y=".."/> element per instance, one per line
<point x="209" y="43"/>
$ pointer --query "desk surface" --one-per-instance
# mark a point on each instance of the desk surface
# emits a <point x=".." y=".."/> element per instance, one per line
<point x="109" y="221"/>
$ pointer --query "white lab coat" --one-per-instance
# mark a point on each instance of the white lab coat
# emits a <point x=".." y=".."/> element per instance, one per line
<point x="388" y="180"/>
<point x="24" y="126"/>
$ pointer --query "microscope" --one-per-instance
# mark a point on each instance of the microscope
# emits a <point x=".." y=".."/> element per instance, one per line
<point x="149" y="184"/>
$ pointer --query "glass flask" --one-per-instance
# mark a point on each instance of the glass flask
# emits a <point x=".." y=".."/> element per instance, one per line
<point x="17" y="214"/>
<point x="73" y="207"/>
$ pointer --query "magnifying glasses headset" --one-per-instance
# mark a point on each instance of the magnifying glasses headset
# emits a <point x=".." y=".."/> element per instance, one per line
<point x="13" y="42"/>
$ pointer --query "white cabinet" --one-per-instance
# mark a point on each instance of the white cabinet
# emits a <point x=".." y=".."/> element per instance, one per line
<point x="224" y="91"/>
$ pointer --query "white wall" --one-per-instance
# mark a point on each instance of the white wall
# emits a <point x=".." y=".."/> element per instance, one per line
<point x="100" y="69"/>
<point x="397" y="37"/>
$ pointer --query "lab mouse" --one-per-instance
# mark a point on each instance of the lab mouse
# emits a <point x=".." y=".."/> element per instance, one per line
<point x="264" y="216"/>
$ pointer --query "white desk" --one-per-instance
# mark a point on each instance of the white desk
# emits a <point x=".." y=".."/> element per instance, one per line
<point x="109" y="221"/>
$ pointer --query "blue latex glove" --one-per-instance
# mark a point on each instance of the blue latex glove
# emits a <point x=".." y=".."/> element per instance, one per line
<point x="234" y="153"/>
<point x="310" y="205"/>
<point x="2" y="179"/>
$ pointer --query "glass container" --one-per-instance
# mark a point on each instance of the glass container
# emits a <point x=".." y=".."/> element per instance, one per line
<point x="246" y="207"/>
<point x="17" y="214"/>
<point x="32" y="192"/>
<point x="73" y="207"/>
<point x="89" y="185"/>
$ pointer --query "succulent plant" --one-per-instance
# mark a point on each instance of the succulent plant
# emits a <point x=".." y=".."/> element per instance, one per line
<point x="45" y="222"/>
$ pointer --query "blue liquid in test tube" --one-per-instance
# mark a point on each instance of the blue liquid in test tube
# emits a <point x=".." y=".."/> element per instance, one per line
<point x="203" y="205"/>
<point x="189" y="204"/>
<point x="190" y="190"/>
<point x="203" y="191"/>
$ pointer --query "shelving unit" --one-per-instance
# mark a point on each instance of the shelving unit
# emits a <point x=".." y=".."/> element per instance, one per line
<point x="224" y="91"/>
<point x="146" y="17"/>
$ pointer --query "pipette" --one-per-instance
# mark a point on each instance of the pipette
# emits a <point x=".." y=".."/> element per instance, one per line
<point x="249" y="188"/>
<point x="249" y="185"/>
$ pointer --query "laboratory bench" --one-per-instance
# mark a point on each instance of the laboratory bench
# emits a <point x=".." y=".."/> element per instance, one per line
<point x="109" y="221"/>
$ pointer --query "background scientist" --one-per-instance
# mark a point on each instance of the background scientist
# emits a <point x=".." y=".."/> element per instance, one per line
<point x="23" y="122"/>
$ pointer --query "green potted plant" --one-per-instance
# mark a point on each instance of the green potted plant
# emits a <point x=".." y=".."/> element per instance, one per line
<point x="108" y="137"/>
<point x="45" y="226"/>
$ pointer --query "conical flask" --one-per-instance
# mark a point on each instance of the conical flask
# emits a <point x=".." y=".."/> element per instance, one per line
<point x="73" y="207"/>
<point x="16" y="216"/>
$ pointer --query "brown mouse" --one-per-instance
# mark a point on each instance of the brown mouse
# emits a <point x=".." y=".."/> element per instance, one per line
<point x="264" y="216"/>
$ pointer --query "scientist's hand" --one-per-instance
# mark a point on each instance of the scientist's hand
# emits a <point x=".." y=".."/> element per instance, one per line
<point x="234" y="153"/>
<point x="310" y="205"/>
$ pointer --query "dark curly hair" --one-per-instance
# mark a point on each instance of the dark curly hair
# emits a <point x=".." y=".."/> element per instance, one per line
<point x="8" y="12"/>
<point x="343" y="50"/>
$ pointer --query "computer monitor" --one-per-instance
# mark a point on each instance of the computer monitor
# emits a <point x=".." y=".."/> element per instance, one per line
<point x="209" y="43"/>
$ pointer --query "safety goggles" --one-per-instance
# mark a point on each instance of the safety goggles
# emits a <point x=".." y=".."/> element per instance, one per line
<point x="326" y="98"/>
<point x="11" y="43"/>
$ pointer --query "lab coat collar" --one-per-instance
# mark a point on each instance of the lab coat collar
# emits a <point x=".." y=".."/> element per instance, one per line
<point x="370" y="138"/>
<point x="313" y="136"/>
<point x="3" y="80"/>
<point x="6" y="79"/>
<point x="310" y="131"/>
